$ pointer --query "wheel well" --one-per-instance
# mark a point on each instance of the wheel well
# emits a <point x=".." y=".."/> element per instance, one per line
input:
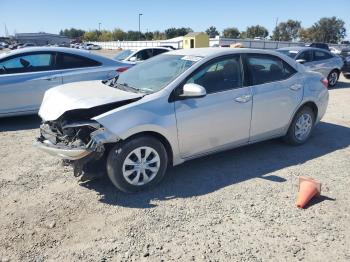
<point x="311" y="105"/>
<point x="161" y="138"/>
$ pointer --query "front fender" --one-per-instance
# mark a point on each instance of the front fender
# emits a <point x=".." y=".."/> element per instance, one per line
<point x="144" y="116"/>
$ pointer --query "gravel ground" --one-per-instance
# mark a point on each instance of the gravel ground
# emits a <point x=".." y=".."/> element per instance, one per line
<point x="237" y="205"/>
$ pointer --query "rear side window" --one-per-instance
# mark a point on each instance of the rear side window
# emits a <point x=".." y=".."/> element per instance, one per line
<point x="159" y="51"/>
<point x="267" y="68"/>
<point x="320" y="55"/>
<point x="26" y="63"/>
<point x="66" y="61"/>
<point x="220" y="75"/>
<point x="306" y="55"/>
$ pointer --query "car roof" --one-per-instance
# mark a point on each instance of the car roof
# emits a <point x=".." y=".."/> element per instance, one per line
<point x="302" y="48"/>
<point x="215" y="51"/>
<point x="68" y="50"/>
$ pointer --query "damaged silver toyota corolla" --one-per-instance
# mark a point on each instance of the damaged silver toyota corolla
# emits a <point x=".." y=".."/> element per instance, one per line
<point x="178" y="106"/>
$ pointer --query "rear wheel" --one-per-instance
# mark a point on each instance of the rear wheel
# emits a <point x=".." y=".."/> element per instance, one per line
<point x="137" y="164"/>
<point x="333" y="78"/>
<point x="301" y="127"/>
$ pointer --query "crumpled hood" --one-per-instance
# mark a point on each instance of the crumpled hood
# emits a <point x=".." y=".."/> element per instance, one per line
<point x="80" y="95"/>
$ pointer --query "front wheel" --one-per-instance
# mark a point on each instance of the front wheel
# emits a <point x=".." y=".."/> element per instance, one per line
<point x="137" y="164"/>
<point x="301" y="127"/>
<point x="333" y="78"/>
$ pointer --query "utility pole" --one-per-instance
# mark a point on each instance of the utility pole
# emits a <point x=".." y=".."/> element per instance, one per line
<point x="140" y="26"/>
<point x="276" y="29"/>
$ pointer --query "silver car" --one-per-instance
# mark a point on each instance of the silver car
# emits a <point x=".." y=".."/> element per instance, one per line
<point x="139" y="55"/>
<point x="316" y="59"/>
<point x="178" y="106"/>
<point x="26" y="74"/>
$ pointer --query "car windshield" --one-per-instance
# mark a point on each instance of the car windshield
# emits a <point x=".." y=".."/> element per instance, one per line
<point x="290" y="53"/>
<point x="122" y="55"/>
<point x="156" y="73"/>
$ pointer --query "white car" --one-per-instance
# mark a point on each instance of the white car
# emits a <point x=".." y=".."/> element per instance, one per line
<point x="89" y="46"/>
<point x="334" y="50"/>
<point x="139" y="55"/>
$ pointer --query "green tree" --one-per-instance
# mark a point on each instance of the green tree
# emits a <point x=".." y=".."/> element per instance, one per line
<point x="286" y="31"/>
<point x="157" y="35"/>
<point x="243" y="35"/>
<point x="231" y="32"/>
<point x="212" y="32"/>
<point x="118" y="34"/>
<point x="328" y="30"/>
<point x="256" y="31"/>
<point x="132" y="35"/>
<point x="72" y="32"/>
<point x="91" y="35"/>
<point x="175" y="32"/>
<point x="105" y="36"/>
<point x="149" y="36"/>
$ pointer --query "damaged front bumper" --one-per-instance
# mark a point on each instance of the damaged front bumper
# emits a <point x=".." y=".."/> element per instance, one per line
<point x="61" y="151"/>
<point x="72" y="151"/>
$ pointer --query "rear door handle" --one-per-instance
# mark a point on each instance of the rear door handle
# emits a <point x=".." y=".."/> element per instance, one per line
<point x="243" y="98"/>
<point x="50" y="78"/>
<point x="295" y="87"/>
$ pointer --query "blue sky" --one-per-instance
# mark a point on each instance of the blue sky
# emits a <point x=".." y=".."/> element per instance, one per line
<point x="52" y="15"/>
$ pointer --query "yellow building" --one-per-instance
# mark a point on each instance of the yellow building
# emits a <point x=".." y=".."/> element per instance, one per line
<point x="195" y="40"/>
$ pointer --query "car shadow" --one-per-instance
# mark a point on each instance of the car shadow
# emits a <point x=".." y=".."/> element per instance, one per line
<point x="19" y="123"/>
<point x="341" y="84"/>
<point x="208" y="174"/>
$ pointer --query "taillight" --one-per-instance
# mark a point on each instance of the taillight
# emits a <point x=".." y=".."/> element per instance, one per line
<point x="324" y="81"/>
<point x="122" y="69"/>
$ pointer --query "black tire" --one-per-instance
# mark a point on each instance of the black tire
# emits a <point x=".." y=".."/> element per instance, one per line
<point x="121" y="151"/>
<point x="291" y="137"/>
<point x="331" y="83"/>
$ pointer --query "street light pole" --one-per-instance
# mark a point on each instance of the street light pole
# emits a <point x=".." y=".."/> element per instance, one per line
<point x="140" y="26"/>
<point x="99" y="27"/>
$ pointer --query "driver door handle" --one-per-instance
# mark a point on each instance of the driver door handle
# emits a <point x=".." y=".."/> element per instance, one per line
<point x="295" y="87"/>
<point x="243" y="98"/>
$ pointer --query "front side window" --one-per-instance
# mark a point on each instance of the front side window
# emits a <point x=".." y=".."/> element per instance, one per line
<point x="156" y="73"/>
<point x="268" y="68"/>
<point x="320" y="55"/>
<point x="67" y="61"/>
<point x="26" y="63"/>
<point x="221" y="75"/>
<point x="306" y="55"/>
<point x="123" y="55"/>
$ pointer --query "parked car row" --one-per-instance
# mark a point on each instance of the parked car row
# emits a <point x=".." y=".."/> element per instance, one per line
<point x="86" y="46"/>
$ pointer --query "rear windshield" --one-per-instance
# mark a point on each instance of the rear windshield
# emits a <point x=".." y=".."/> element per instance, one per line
<point x="290" y="53"/>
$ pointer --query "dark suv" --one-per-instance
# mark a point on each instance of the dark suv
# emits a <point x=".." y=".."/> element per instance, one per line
<point x="345" y="54"/>
<point x="319" y="45"/>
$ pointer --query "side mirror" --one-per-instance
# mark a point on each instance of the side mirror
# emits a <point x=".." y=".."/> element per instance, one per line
<point x="132" y="59"/>
<point x="193" y="90"/>
<point x="301" y="61"/>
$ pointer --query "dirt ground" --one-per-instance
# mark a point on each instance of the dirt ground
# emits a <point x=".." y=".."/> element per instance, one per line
<point x="237" y="205"/>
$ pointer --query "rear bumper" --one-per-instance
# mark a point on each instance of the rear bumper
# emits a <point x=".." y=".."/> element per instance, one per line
<point x="63" y="152"/>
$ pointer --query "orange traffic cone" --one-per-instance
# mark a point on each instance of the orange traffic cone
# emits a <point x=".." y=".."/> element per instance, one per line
<point x="308" y="188"/>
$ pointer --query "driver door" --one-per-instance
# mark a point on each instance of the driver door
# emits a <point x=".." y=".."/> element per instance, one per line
<point x="221" y="118"/>
<point x="24" y="79"/>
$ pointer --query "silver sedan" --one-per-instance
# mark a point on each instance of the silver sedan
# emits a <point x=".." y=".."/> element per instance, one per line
<point x="318" y="60"/>
<point x="178" y="106"/>
<point x="26" y="74"/>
